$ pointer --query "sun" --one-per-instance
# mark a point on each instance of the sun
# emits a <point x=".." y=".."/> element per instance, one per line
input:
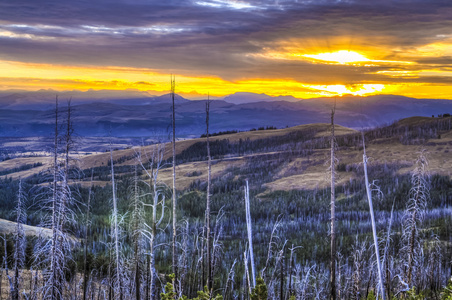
<point x="355" y="89"/>
<point x="341" y="57"/>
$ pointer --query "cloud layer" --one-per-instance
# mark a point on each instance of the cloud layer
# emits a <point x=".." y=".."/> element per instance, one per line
<point x="407" y="43"/>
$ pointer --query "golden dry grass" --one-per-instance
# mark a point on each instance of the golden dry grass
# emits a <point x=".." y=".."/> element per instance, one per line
<point x="25" y="284"/>
<point x="8" y="227"/>
<point x="312" y="172"/>
<point x="414" y="121"/>
<point x="301" y="173"/>
<point x="33" y="279"/>
<point x="87" y="183"/>
<point x="306" y="173"/>
<point x="20" y="161"/>
<point x="184" y="172"/>
<point x="101" y="159"/>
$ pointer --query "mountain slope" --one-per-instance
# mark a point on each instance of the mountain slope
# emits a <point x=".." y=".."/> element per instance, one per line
<point x="27" y="115"/>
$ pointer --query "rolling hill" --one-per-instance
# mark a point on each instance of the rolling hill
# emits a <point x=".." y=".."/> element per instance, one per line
<point x="300" y="152"/>
<point x="9" y="227"/>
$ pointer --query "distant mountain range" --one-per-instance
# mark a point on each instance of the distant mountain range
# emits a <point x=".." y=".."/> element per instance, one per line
<point x="241" y="98"/>
<point x="135" y="113"/>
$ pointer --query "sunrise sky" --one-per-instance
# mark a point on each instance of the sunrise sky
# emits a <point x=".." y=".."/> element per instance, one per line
<point x="304" y="48"/>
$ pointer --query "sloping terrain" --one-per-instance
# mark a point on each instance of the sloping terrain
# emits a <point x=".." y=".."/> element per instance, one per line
<point x="9" y="227"/>
<point x="298" y="156"/>
<point x="127" y="156"/>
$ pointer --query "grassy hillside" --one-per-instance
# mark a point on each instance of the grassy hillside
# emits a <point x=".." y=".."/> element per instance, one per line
<point x="9" y="227"/>
<point x="296" y="172"/>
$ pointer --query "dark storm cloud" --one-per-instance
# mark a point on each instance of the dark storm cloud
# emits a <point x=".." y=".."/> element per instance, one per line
<point x="216" y="37"/>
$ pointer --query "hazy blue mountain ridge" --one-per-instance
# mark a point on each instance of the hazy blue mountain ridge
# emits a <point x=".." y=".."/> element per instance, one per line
<point x="32" y="113"/>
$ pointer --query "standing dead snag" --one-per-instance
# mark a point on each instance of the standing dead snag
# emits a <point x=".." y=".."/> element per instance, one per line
<point x="4" y="263"/>
<point x="58" y="248"/>
<point x="229" y="282"/>
<point x="173" y="117"/>
<point x="386" y="254"/>
<point x="372" y="217"/>
<point x="250" y="234"/>
<point x="246" y="276"/>
<point x="155" y="159"/>
<point x="19" y="243"/>
<point x="67" y="148"/>
<point x="209" y="167"/>
<point x="66" y="201"/>
<point x="137" y="230"/>
<point x="115" y="226"/>
<point x="87" y="226"/>
<point x="358" y="257"/>
<point x="414" y="214"/>
<point x="289" y="292"/>
<point x="333" y="212"/>
<point x="54" y="276"/>
<point x="55" y="289"/>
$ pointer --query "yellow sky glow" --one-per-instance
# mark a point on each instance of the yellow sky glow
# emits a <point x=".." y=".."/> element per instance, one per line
<point x="33" y="76"/>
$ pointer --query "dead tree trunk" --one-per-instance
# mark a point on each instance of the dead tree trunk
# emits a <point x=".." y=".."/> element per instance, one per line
<point x="54" y="290"/>
<point x="60" y="246"/>
<point x="250" y="235"/>
<point x="19" y="243"/>
<point x="68" y="145"/>
<point x="4" y="263"/>
<point x="116" y="230"/>
<point x="173" y="244"/>
<point x="85" y="250"/>
<point x="333" y="213"/>
<point x="290" y="272"/>
<point x="136" y="233"/>
<point x="419" y="194"/>
<point x="209" y="167"/>
<point x="155" y="160"/>
<point x="372" y="217"/>
<point x="386" y="254"/>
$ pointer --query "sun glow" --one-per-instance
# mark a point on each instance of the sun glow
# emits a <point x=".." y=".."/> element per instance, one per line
<point x="355" y="90"/>
<point x="341" y="57"/>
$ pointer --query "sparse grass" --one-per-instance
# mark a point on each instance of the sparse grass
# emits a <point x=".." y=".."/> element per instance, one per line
<point x="28" y="279"/>
<point x="184" y="171"/>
